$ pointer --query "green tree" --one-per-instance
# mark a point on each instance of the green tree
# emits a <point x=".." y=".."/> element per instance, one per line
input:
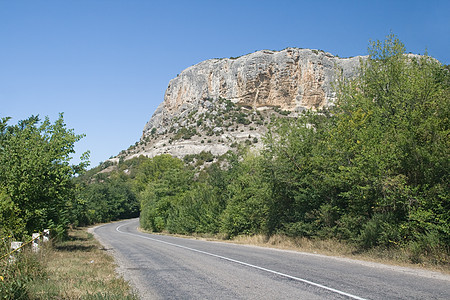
<point x="393" y="121"/>
<point x="36" y="175"/>
<point x="249" y="199"/>
<point x="297" y="161"/>
<point x="195" y="210"/>
<point x="160" y="181"/>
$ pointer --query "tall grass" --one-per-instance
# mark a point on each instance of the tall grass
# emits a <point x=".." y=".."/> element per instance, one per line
<point x="18" y="271"/>
<point x="77" y="268"/>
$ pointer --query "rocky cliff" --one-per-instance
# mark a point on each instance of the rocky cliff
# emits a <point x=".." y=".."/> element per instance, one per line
<point x="216" y="103"/>
<point x="291" y="79"/>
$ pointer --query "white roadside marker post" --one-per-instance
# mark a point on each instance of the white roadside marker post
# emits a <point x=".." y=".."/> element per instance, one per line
<point x="35" y="243"/>
<point x="46" y="235"/>
<point x="15" y="246"/>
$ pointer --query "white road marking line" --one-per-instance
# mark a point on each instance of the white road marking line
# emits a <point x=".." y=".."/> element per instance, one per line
<point x="244" y="264"/>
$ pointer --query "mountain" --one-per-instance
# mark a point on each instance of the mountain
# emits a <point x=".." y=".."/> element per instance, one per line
<point x="218" y="103"/>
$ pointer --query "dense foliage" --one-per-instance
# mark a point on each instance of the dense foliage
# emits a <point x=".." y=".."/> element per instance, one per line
<point x="36" y="187"/>
<point x="373" y="170"/>
<point x="104" y="196"/>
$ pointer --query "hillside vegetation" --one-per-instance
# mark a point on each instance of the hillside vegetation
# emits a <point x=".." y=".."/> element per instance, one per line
<point x="371" y="171"/>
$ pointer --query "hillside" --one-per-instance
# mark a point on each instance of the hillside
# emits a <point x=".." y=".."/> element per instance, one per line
<point x="217" y="104"/>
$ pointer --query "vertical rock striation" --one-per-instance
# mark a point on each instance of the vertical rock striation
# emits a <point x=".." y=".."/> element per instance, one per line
<point x="292" y="79"/>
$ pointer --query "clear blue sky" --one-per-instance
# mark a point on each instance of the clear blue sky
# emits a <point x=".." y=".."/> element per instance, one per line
<point x="107" y="63"/>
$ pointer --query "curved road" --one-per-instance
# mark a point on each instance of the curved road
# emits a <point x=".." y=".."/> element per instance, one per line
<point x="166" y="267"/>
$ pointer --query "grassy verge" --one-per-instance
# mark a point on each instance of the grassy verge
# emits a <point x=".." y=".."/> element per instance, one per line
<point x="78" y="268"/>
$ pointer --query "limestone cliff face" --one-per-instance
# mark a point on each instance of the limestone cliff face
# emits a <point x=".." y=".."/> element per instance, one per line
<point x="219" y="104"/>
<point x="291" y="79"/>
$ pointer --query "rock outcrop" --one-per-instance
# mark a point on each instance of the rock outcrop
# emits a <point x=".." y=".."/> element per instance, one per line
<point x="291" y="79"/>
<point x="217" y="104"/>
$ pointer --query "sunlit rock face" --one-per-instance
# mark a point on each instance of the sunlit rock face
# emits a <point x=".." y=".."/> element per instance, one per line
<point x="220" y="103"/>
<point x="292" y="79"/>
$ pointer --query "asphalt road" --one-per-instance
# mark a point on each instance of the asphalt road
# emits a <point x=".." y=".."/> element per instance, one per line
<point x="166" y="267"/>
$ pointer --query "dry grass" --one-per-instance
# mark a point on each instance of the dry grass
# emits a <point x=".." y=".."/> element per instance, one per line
<point x="326" y="247"/>
<point x="399" y="257"/>
<point x="332" y="247"/>
<point x="80" y="268"/>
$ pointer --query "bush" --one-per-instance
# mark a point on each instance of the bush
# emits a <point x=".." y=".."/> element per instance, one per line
<point x="242" y="119"/>
<point x="298" y="229"/>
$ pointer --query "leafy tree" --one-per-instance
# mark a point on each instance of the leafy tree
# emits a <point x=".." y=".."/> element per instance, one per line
<point x="155" y="168"/>
<point x="36" y="175"/>
<point x="249" y="200"/>
<point x="296" y="163"/>
<point x="159" y="182"/>
<point x="393" y="122"/>
<point x="195" y="210"/>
